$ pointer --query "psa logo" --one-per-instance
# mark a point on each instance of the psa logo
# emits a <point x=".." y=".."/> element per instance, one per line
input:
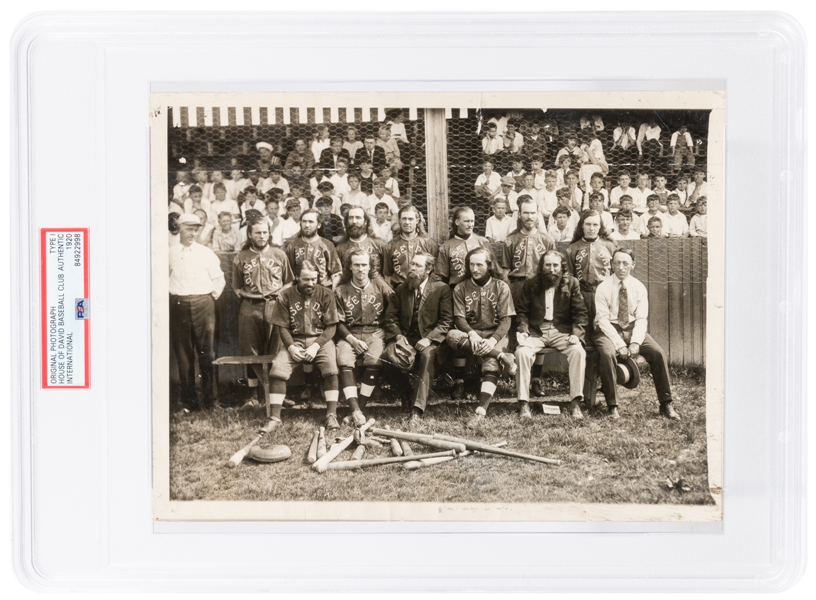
<point x="83" y="309"/>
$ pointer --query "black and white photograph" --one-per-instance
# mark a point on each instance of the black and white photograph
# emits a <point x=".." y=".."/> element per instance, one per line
<point x="438" y="306"/>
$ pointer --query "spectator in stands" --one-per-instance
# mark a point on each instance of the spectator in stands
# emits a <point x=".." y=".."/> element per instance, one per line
<point x="339" y="179"/>
<point x="330" y="157"/>
<point x="450" y="262"/>
<point x="593" y="161"/>
<point x="576" y="193"/>
<point x="396" y="123"/>
<point x="512" y="140"/>
<point x="622" y="189"/>
<point x="589" y="258"/>
<point x="361" y="236"/>
<point x="622" y="313"/>
<point x="320" y="141"/>
<point x="660" y="188"/>
<point x="675" y="224"/>
<point x="539" y="175"/>
<point x="222" y="204"/>
<point x="378" y="196"/>
<point x="205" y="234"/>
<point x="623" y="230"/>
<point x="488" y="182"/>
<point x="391" y="185"/>
<point x="508" y="194"/>
<point x="225" y="236"/>
<point x="655" y="226"/>
<point x="182" y="188"/>
<point x="500" y="225"/>
<point x="623" y="142"/>
<point x="275" y="180"/>
<point x="355" y="196"/>
<point x="310" y="246"/>
<point x="565" y="199"/>
<point x="236" y="184"/>
<point x="529" y="189"/>
<point x="266" y="155"/>
<point x="289" y="223"/>
<point x="535" y="144"/>
<point x="202" y="180"/>
<point x="491" y="142"/>
<point x="517" y="173"/>
<point x="367" y="176"/>
<point x="597" y="185"/>
<point x="596" y="202"/>
<point x="649" y="146"/>
<point x="548" y="198"/>
<point x="699" y="222"/>
<point x="296" y="191"/>
<point x="698" y="187"/>
<point x="563" y="169"/>
<point x="373" y="152"/>
<point x="303" y="157"/>
<point x="571" y="149"/>
<point x="653" y="210"/>
<point x="325" y="190"/>
<point x="482" y="309"/>
<point x="195" y="201"/>
<point x="682" y="191"/>
<point x="409" y="241"/>
<point x="351" y="144"/>
<point x="305" y="317"/>
<point x="382" y="222"/>
<point x="638" y="224"/>
<point x="641" y="192"/>
<point x="559" y="229"/>
<point x="251" y="201"/>
<point x="682" y="148"/>
<point x="391" y="148"/>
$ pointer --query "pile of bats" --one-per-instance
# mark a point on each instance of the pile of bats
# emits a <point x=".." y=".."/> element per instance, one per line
<point x="447" y="448"/>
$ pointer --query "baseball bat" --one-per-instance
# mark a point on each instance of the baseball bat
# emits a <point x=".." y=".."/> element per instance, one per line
<point x="413" y="465"/>
<point x="323" y="462"/>
<point x="312" y="455"/>
<point x="396" y="449"/>
<point x="487" y="448"/>
<point x="236" y="458"/>
<point x="321" y="442"/>
<point x="426" y="440"/>
<point x="358" y="453"/>
<point x="406" y="449"/>
<point x="348" y="465"/>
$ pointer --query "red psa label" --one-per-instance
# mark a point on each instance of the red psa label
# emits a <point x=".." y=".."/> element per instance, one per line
<point x="66" y="309"/>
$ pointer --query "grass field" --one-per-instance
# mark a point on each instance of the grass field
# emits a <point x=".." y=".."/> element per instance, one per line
<point x="603" y="461"/>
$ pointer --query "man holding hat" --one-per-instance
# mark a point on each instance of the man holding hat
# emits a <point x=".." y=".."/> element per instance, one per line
<point x="621" y="318"/>
<point x="196" y="282"/>
<point x="419" y="318"/>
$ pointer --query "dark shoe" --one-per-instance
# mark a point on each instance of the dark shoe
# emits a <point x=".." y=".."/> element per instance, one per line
<point x="536" y="386"/>
<point x="416" y="418"/>
<point x="524" y="411"/>
<point x="458" y="392"/>
<point x="613" y="412"/>
<point x="331" y="422"/>
<point x="575" y="409"/>
<point x="667" y="410"/>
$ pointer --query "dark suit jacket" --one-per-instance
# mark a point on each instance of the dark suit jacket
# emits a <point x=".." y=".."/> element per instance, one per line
<point x="569" y="309"/>
<point x="435" y="312"/>
<point x="379" y="160"/>
<point x="326" y="161"/>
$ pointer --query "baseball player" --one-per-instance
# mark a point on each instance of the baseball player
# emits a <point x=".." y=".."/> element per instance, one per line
<point x="482" y="309"/>
<point x="450" y="263"/>
<point x="196" y="282"/>
<point x="551" y="314"/>
<point x="361" y="306"/>
<point x="259" y="273"/>
<point x="305" y="317"/>
<point x="401" y="250"/>
<point x="422" y="315"/>
<point x="359" y="236"/>
<point x="309" y="246"/>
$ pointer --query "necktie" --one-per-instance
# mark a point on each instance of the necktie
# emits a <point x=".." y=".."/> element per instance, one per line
<point x="623" y="306"/>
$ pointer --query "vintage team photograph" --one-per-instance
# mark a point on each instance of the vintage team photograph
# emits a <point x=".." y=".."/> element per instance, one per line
<point x="431" y="307"/>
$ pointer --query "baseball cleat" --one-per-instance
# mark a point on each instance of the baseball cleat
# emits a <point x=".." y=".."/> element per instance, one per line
<point x="667" y="410"/>
<point x="346" y="420"/>
<point x="536" y="389"/>
<point x="359" y="418"/>
<point x="331" y="422"/>
<point x="458" y="392"/>
<point x="524" y="411"/>
<point x="509" y="362"/>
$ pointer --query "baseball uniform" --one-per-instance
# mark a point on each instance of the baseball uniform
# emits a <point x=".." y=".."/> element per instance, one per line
<point x="361" y="313"/>
<point x="400" y="252"/>
<point x="450" y="262"/>
<point x="370" y="244"/>
<point x="320" y="252"/>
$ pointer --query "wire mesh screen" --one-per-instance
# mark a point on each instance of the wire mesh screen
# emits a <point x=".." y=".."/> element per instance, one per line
<point x="631" y="142"/>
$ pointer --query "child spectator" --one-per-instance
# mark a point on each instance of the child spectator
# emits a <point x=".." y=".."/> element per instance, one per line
<point x="325" y="189"/>
<point x="699" y="222"/>
<point x="251" y="202"/>
<point x="202" y="180"/>
<point x="638" y="224"/>
<point x="293" y="211"/>
<point x="561" y="172"/>
<point x="275" y="180"/>
<point x="182" y="188"/>
<point x="397" y="126"/>
<point x="391" y="185"/>
<point x="205" y="234"/>
<point x="381" y="224"/>
<point x="641" y="192"/>
<point x="355" y="195"/>
<point x="623" y="230"/>
<point x="623" y="142"/>
<point x="390" y="146"/>
<point x="195" y="201"/>
<point x="500" y="224"/>
<point x="175" y="207"/>
<point x="548" y="201"/>
<point x="682" y="148"/>
<point x="492" y="143"/>
<point x="596" y="202"/>
<point x="235" y="184"/>
<point x="655" y="226"/>
<point x="297" y="188"/>
<point x="597" y="186"/>
<point x="561" y="229"/>
<point x="517" y="173"/>
<point x="577" y="195"/>
<point x="352" y="143"/>
<point x="593" y="161"/>
<point x="675" y="224"/>
<point x="281" y="228"/>
<point x="648" y="142"/>
<point x="225" y="236"/>
<point x="565" y="199"/>
<point x="529" y="189"/>
<point x="222" y="204"/>
<point x="339" y="180"/>
<point x="698" y="187"/>
<point x="320" y="142"/>
<point x="660" y="188"/>
<point x="535" y="144"/>
<point x="508" y="193"/>
<point x="513" y="141"/>
<point x="251" y="215"/>
<point x="653" y="210"/>
<point x="682" y="191"/>
<point x="622" y="189"/>
<point x="488" y="182"/>
<point x="367" y="175"/>
<point x="379" y="196"/>
<point x="539" y="175"/>
<point x="571" y="149"/>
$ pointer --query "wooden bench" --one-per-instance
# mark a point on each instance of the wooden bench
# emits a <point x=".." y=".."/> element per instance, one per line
<point x="590" y="376"/>
<point x="265" y="360"/>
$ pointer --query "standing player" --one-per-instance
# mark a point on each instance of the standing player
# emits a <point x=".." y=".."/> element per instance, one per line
<point x="360" y="236"/>
<point x="482" y="309"/>
<point x="305" y="317"/>
<point x="309" y="246"/>
<point x="450" y="263"/>
<point x="259" y="273"/>
<point x="361" y="306"/>
<point x="410" y="241"/>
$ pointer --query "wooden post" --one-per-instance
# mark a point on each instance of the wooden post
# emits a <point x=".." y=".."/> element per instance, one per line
<point x="436" y="160"/>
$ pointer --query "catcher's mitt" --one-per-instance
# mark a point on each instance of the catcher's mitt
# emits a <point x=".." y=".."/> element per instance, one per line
<point x="269" y="455"/>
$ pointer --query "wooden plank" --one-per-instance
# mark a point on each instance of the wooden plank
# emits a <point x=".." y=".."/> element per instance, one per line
<point x="698" y="301"/>
<point x="675" y="289"/>
<point x="436" y="172"/>
<point x="261" y="359"/>
<point x="658" y="291"/>
<point x="689" y="316"/>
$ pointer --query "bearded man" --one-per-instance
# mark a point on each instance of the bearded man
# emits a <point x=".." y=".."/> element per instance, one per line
<point x="359" y="236"/>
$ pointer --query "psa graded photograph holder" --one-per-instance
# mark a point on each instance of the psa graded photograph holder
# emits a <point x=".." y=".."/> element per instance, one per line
<point x="462" y="306"/>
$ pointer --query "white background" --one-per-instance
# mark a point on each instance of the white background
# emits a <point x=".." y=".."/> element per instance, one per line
<point x="13" y="11"/>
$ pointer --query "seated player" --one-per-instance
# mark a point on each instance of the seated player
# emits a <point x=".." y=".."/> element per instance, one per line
<point x="305" y="317"/>
<point x="482" y="309"/>
<point x="361" y="306"/>
<point x="699" y="222"/>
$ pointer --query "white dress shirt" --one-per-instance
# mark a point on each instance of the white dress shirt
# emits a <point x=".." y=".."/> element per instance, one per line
<point x="195" y="270"/>
<point x="606" y="309"/>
